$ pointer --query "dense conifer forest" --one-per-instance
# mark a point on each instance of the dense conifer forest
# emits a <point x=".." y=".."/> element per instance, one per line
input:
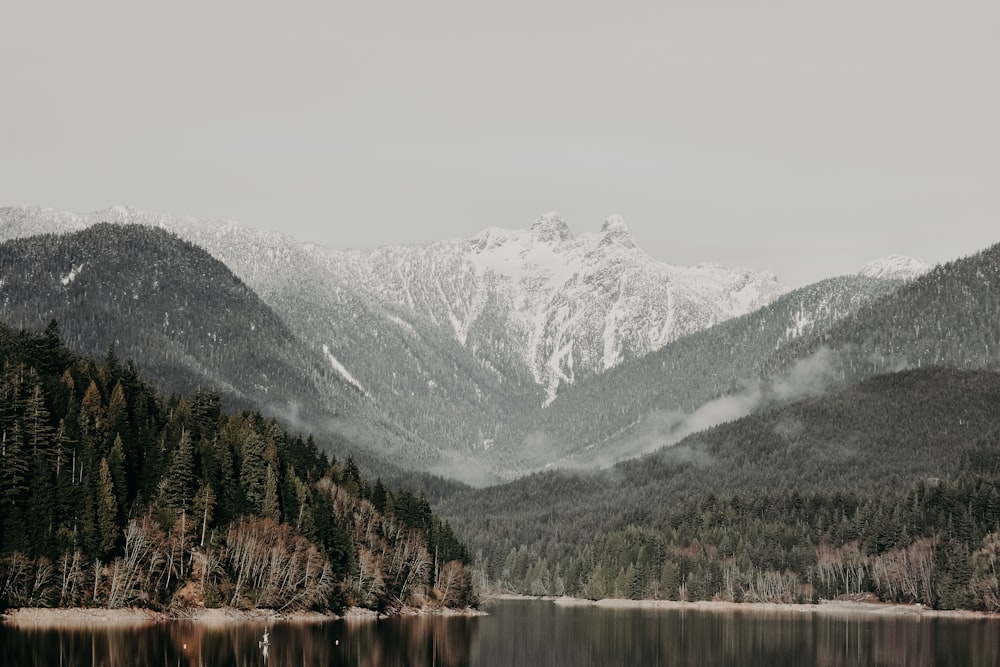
<point x="888" y="489"/>
<point x="112" y="495"/>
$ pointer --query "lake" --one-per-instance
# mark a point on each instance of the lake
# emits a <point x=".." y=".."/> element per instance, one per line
<point x="523" y="633"/>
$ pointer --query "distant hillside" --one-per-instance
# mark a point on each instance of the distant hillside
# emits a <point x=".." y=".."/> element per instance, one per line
<point x="947" y="317"/>
<point x="875" y="439"/>
<point x="642" y="404"/>
<point x="451" y="339"/>
<point x="189" y="323"/>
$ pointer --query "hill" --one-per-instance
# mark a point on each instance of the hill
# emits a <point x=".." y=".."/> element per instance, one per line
<point x="862" y="451"/>
<point x="646" y="403"/>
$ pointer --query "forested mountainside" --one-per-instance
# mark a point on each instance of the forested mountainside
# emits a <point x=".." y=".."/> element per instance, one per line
<point x="451" y="339"/>
<point x="642" y="404"/>
<point x="890" y="487"/>
<point x="947" y="317"/>
<point x="155" y="298"/>
<point x="112" y="495"/>
<point x="193" y="324"/>
<point x="944" y="317"/>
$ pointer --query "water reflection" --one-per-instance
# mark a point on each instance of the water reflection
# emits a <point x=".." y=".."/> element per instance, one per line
<point x="547" y="635"/>
<point x="389" y="642"/>
<point x="523" y="634"/>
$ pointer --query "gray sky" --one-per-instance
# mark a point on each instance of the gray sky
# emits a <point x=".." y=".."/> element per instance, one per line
<point x="805" y="138"/>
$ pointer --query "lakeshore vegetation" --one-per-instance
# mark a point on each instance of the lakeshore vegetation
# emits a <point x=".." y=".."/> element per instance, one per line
<point x="113" y="495"/>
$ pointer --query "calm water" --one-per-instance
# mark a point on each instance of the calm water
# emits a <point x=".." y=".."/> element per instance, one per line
<point x="524" y="633"/>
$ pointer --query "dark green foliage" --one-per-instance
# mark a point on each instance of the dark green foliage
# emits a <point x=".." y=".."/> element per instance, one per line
<point x="899" y="466"/>
<point x="90" y="454"/>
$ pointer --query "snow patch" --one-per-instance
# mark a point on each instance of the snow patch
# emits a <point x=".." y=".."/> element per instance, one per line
<point x="71" y="276"/>
<point x="895" y="267"/>
<point x="344" y="373"/>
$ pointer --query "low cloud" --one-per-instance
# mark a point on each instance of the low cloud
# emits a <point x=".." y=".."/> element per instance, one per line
<point x="807" y="377"/>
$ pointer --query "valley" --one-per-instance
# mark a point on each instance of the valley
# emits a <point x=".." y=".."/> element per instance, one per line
<point x="587" y="420"/>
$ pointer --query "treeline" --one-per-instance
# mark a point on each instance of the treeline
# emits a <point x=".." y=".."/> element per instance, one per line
<point x="753" y="509"/>
<point x="935" y="543"/>
<point x="113" y="495"/>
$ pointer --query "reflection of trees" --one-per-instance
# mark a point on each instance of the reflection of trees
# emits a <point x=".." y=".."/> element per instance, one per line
<point x="400" y="641"/>
<point x="531" y="633"/>
<point x="544" y="634"/>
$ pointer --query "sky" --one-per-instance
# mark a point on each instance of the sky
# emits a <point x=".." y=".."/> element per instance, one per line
<point x="802" y="138"/>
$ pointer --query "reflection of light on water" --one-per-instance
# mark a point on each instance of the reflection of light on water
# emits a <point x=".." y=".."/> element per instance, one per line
<point x="265" y="644"/>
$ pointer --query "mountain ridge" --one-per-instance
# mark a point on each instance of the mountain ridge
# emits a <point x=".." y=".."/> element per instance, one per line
<point x="452" y="339"/>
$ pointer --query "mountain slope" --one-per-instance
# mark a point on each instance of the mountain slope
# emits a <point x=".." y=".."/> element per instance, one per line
<point x="564" y="307"/>
<point x="882" y="434"/>
<point x="414" y="375"/>
<point x="450" y="340"/>
<point x="947" y="317"/>
<point x="188" y="322"/>
<point x="643" y="404"/>
<point x="158" y="299"/>
<point x="812" y="340"/>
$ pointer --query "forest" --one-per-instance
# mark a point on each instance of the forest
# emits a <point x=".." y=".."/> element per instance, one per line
<point x="888" y="489"/>
<point x="113" y="495"/>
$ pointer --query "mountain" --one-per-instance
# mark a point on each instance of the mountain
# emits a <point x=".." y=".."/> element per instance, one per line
<point x="646" y="403"/>
<point x="946" y="317"/>
<point x="190" y="324"/>
<point x="449" y="340"/>
<point x="564" y="307"/>
<point x="819" y="469"/>
<point x="412" y="377"/>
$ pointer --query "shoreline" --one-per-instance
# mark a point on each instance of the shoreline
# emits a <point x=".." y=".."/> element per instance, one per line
<point x="823" y="607"/>
<point x="80" y="617"/>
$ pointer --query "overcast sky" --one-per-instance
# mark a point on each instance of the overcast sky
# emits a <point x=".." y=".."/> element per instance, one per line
<point x="805" y="138"/>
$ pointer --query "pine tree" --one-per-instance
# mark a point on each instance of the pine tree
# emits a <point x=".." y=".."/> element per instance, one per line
<point x="270" y="507"/>
<point x="116" y="463"/>
<point x="37" y="429"/>
<point x="14" y="469"/>
<point x="179" y="484"/>
<point x="107" y="511"/>
<point x="253" y="472"/>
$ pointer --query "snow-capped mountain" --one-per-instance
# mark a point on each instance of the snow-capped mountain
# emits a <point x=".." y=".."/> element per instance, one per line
<point x="563" y="306"/>
<point x="454" y="340"/>
<point x="557" y="305"/>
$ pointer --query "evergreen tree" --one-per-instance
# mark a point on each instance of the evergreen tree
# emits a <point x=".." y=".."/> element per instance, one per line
<point x="107" y="511"/>
<point x="253" y="472"/>
<point x="270" y="507"/>
<point x="179" y="484"/>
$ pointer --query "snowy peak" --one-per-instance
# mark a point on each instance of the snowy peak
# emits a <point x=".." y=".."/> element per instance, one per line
<point x="550" y="228"/>
<point x="895" y="267"/>
<point x="556" y="306"/>
<point x="614" y="230"/>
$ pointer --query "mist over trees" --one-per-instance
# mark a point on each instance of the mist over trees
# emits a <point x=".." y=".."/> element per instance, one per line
<point x="890" y="488"/>
<point x="112" y="495"/>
